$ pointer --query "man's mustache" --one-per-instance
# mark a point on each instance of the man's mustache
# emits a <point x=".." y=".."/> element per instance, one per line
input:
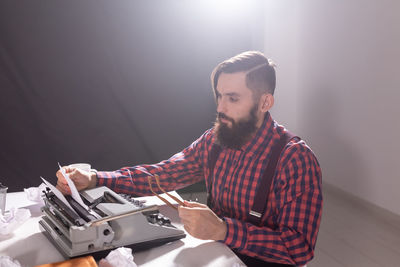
<point x="223" y="116"/>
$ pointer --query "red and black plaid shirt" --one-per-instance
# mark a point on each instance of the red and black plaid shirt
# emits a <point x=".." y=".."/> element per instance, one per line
<point x="294" y="206"/>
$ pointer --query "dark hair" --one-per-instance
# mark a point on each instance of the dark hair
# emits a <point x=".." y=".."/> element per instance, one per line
<point x="260" y="77"/>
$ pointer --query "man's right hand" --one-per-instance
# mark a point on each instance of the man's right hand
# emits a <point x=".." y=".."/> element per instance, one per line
<point x="82" y="180"/>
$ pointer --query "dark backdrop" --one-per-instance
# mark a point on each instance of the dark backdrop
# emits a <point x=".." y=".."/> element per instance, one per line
<point x="112" y="83"/>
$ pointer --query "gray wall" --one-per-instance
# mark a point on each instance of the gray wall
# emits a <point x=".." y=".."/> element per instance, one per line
<point x="338" y="88"/>
<point x="112" y="83"/>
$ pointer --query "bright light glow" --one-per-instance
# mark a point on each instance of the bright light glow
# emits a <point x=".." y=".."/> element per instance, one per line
<point x="225" y="8"/>
<point x="229" y="5"/>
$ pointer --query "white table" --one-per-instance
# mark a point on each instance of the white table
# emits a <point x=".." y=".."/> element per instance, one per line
<point x="30" y="247"/>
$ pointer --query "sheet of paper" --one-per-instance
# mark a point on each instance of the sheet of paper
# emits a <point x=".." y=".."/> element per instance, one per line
<point x="74" y="192"/>
<point x="57" y="193"/>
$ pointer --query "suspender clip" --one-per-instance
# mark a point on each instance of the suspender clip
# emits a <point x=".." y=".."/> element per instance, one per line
<point x="255" y="213"/>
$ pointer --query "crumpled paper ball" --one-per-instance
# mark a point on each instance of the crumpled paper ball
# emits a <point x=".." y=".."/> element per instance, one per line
<point x="34" y="194"/>
<point x="13" y="219"/>
<point x="120" y="257"/>
<point x="6" y="261"/>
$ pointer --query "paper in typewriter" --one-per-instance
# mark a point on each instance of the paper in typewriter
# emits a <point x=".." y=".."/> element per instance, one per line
<point x="57" y="193"/>
<point x="74" y="192"/>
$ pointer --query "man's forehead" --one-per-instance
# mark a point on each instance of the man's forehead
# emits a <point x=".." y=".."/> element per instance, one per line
<point x="232" y="83"/>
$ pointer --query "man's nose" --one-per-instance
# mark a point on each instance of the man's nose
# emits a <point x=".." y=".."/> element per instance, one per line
<point x="221" y="107"/>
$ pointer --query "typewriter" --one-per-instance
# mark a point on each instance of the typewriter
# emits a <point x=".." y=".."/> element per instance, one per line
<point x="112" y="220"/>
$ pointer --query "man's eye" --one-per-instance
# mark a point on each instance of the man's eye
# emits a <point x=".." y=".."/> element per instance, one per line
<point x="233" y="99"/>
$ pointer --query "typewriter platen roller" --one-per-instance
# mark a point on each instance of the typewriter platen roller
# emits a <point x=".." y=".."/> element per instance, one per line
<point x="112" y="221"/>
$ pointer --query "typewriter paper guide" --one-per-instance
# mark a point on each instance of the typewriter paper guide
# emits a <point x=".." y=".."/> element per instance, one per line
<point x="57" y="193"/>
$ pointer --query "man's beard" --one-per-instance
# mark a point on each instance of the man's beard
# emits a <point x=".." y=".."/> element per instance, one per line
<point x="240" y="132"/>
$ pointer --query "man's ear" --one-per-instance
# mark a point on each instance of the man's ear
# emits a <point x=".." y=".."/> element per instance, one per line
<point x="266" y="102"/>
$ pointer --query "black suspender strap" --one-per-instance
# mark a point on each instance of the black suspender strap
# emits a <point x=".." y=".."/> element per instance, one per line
<point x="262" y="194"/>
<point x="261" y="198"/>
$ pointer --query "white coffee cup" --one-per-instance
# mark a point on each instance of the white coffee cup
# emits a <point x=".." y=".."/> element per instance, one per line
<point x="81" y="166"/>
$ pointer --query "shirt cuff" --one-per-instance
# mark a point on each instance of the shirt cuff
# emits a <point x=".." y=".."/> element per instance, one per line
<point x="236" y="233"/>
<point x="108" y="179"/>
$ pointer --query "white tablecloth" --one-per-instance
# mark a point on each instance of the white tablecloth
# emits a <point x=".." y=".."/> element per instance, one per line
<point x="30" y="247"/>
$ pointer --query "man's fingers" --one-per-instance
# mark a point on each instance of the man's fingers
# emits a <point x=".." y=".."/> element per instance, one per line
<point x="60" y="177"/>
<point x="73" y="174"/>
<point x="190" y="217"/>
<point x="185" y="212"/>
<point x="68" y="169"/>
<point x="63" y="189"/>
<point x="191" y="204"/>
<point x="185" y="222"/>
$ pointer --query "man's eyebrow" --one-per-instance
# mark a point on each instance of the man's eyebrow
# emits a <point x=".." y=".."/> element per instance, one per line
<point x="232" y="94"/>
<point x="229" y="94"/>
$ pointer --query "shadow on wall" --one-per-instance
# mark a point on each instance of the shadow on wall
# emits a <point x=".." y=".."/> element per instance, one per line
<point x="340" y="157"/>
<point x="110" y="84"/>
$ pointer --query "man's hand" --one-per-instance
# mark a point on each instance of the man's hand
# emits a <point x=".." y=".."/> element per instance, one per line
<point x="81" y="179"/>
<point x="201" y="222"/>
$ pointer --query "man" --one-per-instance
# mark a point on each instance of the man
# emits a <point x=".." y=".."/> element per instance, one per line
<point x="245" y="134"/>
